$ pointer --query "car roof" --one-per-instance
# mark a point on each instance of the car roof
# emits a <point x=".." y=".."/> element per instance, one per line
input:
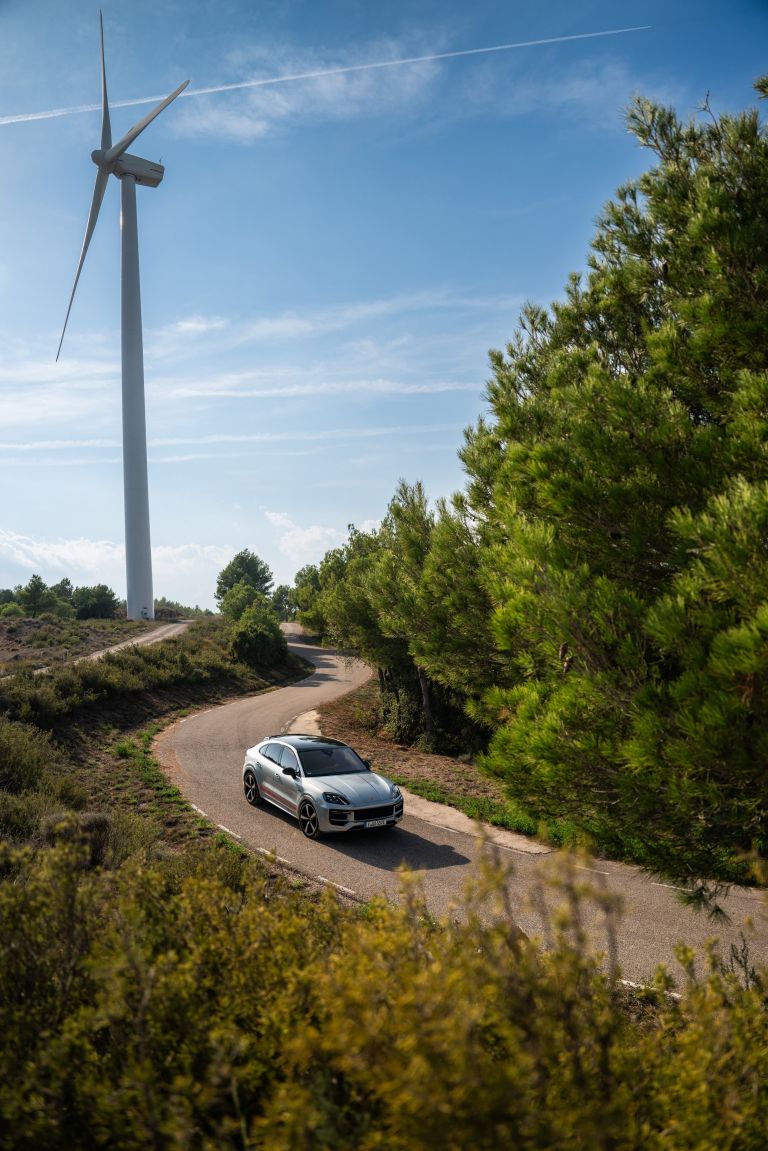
<point x="304" y="742"/>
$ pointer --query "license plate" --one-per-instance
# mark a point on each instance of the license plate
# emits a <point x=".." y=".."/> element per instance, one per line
<point x="376" y="823"/>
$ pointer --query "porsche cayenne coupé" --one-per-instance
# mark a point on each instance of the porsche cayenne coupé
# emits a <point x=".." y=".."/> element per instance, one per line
<point x="321" y="782"/>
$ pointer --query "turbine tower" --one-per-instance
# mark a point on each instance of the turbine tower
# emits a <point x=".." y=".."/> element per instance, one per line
<point x="113" y="160"/>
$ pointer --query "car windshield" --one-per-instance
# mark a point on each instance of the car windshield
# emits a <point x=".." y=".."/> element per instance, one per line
<point x="330" y="760"/>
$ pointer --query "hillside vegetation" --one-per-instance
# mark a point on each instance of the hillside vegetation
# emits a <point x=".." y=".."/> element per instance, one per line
<point x="159" y="988"/>
<point x="591" y="612"/>
<point x="35" y="643"/>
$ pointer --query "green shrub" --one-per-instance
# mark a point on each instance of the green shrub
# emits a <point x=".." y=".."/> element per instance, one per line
<point x="25" y="753"/>
<point x="22" y="816"/>
<point x="65" y="789"/>
<point x="166" y="1008"/>
<point x="257" y="639"/>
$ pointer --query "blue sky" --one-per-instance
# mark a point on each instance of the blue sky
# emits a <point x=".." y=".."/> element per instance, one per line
<point x="326" y="263"/>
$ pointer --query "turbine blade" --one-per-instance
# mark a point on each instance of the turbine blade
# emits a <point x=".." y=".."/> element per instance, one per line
<point x="106" y="129"/>
<point x="117" y="149"/>
<point x="98" y="195"/>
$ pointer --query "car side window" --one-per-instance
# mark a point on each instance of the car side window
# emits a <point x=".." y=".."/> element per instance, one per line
<point x="271" y="751"/>
<point x="288" y="757"/>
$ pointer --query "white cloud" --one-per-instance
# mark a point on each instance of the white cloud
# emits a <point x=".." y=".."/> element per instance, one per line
<point x="598" y="89"/>
<point x="415" y="344"/>
<point x="343" y="89"/>
<point x="241" y="437"/>
<point x="75" y="556"/>
<point x="42" y="392"/>
<point x="48" y="407"/>
<point x="56" y="445"/>
<point x="198" y="325"/>
<point x="25" y="461"/>
<point x="76" y="373"/>
<point x="311" y="89"/>
<point x="382" y="387"/>
<point x="417" y="354"/>
<point x="410" y="345"/>
<point x="169" y="560"/>
<point x="291" y="325"/>
<point x="184" y="571"/>
<point x="303" y="545"/>
<point x="323" y="76"/>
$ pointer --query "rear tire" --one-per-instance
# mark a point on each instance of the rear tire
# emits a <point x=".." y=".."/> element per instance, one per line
<point x="251" y="788"/>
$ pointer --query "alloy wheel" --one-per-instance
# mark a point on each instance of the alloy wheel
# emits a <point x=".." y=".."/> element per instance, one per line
<point x="308" y="821"/>
<point x="251" y="788"/>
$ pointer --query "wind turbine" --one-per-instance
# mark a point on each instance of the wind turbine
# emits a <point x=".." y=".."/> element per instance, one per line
<point x="113" y="160"/>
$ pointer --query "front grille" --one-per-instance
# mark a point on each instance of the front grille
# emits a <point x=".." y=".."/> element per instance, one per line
<point x="374" y="813"/>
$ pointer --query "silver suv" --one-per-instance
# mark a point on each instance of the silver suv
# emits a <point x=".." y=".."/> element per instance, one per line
<point x="321" y="782"/>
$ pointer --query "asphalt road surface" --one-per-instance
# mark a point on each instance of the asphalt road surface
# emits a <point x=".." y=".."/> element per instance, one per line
<point x="203" y="754"/>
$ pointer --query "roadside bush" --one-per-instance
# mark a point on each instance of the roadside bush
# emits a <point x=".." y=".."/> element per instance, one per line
<point x="141" y="1010"/>
<point x="25" y="754"/>
<point x="90" y="831"/>
<point x="257" y="639"/>
<point x="34" y="699"/>
<point x="22" y="816"/>
<point x="65" y="789"/>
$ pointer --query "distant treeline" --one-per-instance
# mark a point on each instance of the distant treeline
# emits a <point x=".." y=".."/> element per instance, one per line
<point x="591" y="611"/>
<point x="65" y="601"/>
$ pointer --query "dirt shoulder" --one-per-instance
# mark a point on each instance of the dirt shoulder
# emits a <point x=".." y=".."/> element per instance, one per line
<point x="443" y="779"/>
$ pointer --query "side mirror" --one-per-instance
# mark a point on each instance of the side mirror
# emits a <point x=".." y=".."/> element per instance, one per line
<point x="367" y="763"/>
<point x="290" y="771"/>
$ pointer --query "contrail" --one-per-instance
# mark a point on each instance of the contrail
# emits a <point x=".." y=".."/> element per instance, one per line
<point x="24" y="117"/>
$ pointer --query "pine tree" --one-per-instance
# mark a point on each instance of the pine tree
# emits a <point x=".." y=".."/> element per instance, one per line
<point x="620" y="417"/>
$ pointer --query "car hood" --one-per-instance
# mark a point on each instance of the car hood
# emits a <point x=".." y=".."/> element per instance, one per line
<point x="361" y="788"/>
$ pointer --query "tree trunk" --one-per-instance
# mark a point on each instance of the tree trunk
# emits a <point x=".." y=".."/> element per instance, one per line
<point x="426" y="703"/>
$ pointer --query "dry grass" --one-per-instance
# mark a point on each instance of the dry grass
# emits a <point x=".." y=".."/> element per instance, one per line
<point x="38" y="643"/>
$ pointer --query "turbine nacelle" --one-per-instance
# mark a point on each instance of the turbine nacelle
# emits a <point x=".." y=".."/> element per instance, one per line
<point x="144" y="172"/>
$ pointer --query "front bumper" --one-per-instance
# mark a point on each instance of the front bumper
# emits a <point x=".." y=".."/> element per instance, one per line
<point x="360" y="818"/>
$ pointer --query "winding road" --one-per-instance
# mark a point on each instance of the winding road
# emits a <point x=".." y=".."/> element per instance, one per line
<point x="203" y="755"/>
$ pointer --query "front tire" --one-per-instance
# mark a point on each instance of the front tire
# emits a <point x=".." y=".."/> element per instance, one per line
<point x="308" y="821"/>
<point x="251" y="788"/>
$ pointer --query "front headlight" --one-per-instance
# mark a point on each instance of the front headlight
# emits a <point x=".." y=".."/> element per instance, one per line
<point x="334" y="797"/>
<point x="396" y="792"/>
